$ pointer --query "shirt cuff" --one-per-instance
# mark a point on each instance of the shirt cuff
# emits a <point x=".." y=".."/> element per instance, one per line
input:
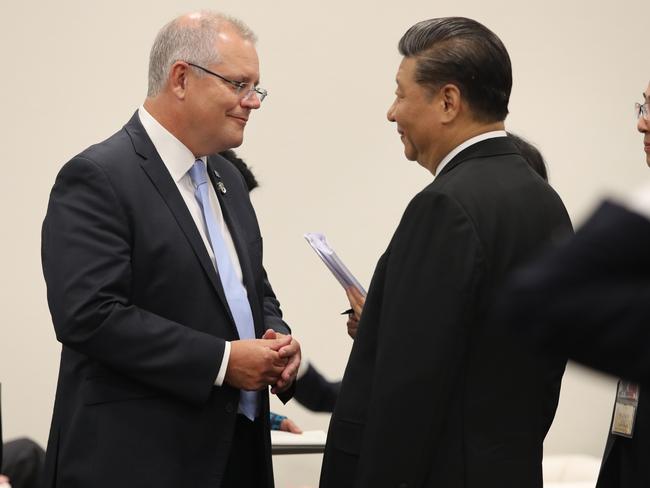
<point x="224" y="365"/>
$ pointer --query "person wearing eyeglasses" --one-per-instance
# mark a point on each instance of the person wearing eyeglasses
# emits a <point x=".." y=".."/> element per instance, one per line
<point x="152" y="255"/>
<point x="589" y="300"/>
<point x="643" y="124"/>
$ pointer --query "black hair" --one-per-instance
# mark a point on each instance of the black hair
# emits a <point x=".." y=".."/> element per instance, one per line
<point x="531" y="154"/>
<point x="467" y="54"/>
<point x="243" y="168"/>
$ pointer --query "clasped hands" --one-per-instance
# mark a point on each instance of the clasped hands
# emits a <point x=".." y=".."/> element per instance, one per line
<point x="255" y="364"/>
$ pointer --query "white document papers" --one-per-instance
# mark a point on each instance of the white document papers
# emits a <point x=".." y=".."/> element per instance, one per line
<point x="334" y="264"/>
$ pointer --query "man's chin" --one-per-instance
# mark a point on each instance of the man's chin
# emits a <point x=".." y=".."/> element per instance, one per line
<point x="237" y="143"/>
<point x="410" y="154"/>
<point x="224" y="145"/>
<point x="236" y="140"/>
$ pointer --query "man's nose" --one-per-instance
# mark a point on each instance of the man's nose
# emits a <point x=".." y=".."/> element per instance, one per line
<point x="390" y="115"/>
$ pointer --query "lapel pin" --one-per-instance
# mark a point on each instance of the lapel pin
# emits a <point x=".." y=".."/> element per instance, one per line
<point x="220" y="186"/>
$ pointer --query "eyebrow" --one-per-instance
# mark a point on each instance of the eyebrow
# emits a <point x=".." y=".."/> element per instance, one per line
<point x="247" y="79"/>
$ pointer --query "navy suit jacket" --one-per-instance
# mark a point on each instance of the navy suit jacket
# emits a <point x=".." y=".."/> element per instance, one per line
<point x="142" y="317"/>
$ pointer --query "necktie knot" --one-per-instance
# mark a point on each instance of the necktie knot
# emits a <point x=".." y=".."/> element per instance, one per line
<point x="198" y="173"/>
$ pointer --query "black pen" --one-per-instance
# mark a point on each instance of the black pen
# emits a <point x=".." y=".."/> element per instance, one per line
<point x="347" y="312"/>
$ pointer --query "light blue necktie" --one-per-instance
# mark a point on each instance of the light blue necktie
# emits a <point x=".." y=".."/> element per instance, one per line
<point x="236" y="295"/>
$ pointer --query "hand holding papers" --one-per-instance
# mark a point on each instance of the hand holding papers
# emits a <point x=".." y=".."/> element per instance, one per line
<point x="334" y="264"/>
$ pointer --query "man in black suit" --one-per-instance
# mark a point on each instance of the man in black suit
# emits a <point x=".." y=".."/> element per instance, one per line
<point x="479" y="406"/>
<point x="152" y="257"/>
<point x="589" y="300"/>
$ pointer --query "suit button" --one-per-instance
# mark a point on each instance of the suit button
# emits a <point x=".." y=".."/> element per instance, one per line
<point x="230" y="407"/>
<point x="403" y="485"/>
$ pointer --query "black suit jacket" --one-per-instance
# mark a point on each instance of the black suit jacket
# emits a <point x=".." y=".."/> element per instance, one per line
<point x="142" y="317"/>
<point x="434" y="395"/>
<point x="315" y="392"/>
<point x="589" y="299"/>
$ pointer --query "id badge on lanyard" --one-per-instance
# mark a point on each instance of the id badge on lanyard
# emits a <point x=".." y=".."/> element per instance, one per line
<point x="627" y="401"/>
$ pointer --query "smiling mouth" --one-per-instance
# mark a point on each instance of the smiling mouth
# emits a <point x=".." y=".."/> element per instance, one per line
<point x="242" y="119"/>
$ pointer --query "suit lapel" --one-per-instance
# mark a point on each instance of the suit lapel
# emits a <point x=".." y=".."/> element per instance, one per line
<point x="238" y="236"/>
<point x="162" y="180"/>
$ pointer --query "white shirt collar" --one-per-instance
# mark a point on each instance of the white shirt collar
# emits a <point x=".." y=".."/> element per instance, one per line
<point x="177" y="157"/>
<point x="469" y="142"/>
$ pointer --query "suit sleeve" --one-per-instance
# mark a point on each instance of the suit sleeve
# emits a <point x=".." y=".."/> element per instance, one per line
<point x="273" y="320"/>
<point x="315" y="392"/>
<point x="589" y="299"/>
<point x="272" y="313"/>
<point x="429" y="297"/>
<point x="86" y="254"/>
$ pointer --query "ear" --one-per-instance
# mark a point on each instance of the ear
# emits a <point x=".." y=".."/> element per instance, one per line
<point x="450" y="100"/>
<point x="178" y="78"/>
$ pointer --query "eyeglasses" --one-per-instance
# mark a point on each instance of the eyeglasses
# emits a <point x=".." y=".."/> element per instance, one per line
<point x="240" y="86"/>
<point x="641" y="109"/>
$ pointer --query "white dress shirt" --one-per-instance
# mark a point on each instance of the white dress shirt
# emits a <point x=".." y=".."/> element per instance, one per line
<point x="178" y="160"/>
<point x="469" y="142"/>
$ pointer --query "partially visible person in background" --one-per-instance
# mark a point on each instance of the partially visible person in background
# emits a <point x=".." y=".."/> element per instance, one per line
<point x="589" y="299"/>
<point x="281" y="422"/>
<point x="244" y="169"/>
<point x="313" y="390"/>
<point x="22" y="463"/>
<point x="531" y="154"/>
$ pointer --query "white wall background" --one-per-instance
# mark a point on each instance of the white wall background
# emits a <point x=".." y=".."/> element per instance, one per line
<point x="74" y="71"/>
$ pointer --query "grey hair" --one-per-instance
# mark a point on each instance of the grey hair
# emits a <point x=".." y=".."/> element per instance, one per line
<point x="190" y="38"/>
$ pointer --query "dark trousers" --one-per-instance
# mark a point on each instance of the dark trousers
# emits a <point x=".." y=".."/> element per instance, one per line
<point x="246" y="467"/>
